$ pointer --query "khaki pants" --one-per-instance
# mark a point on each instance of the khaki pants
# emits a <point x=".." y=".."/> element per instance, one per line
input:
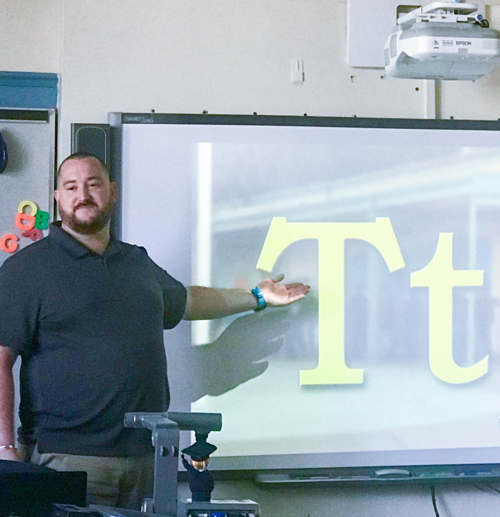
<point x="117" y="482"/>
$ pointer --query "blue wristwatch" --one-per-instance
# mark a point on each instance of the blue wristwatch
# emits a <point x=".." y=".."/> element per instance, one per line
<point x="261" y="301"/>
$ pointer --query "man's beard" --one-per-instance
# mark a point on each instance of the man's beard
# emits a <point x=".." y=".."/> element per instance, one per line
<point x="91" y="226"/>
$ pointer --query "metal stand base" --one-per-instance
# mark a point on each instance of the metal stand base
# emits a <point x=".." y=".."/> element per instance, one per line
<point x="188" y="508"/>
<point x="216" y="508"/>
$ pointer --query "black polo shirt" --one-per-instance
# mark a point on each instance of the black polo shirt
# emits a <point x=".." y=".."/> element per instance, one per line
<point x="90" y="331"/>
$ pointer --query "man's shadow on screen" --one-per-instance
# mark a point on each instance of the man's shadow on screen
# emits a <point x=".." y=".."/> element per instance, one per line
<point x="236" y="356"/>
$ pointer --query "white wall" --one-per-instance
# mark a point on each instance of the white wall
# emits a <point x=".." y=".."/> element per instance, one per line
<point x="30" y="35"/>
<point x="234" y="57"/>
<point x="221" y="56"/>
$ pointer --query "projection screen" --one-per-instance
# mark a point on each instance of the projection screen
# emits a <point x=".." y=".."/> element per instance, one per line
<point x="393" y="358"/>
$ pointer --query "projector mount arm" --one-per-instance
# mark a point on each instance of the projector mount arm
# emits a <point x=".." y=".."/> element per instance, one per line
<point x="444" y="12"/>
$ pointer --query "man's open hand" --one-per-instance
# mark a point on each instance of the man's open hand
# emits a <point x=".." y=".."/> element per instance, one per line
<point x="279" y="295"/>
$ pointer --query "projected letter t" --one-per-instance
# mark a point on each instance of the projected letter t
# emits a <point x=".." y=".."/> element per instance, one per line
<point x="331" y="237"/>
<point x="440" y="277"/>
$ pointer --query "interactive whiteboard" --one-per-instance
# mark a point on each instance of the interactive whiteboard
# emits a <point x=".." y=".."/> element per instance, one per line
<point x="393" y="358"/>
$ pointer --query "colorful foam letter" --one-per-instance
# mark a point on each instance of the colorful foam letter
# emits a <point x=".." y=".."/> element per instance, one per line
<point x="8" y="243"/>
<point x="35" y="234"/>
<point x="42" y="220"/>
<point x="24" y="204"/>
<point x="440" y="277"/>
<point x="25" y="222"/>
<point x="331" y="237"/>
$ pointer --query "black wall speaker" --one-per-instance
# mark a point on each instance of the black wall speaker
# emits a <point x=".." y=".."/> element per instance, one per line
<point x="94" y="139"/>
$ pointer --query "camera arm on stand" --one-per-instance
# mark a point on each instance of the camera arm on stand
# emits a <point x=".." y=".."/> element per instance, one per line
<point x="165" y="429"/>
<point x="165" y="439"/>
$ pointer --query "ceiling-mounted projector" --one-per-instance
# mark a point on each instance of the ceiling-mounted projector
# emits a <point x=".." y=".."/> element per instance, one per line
<point x="442" y="40"/>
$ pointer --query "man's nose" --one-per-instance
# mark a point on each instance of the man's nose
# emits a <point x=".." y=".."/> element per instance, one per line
<point x="83" y="193"/>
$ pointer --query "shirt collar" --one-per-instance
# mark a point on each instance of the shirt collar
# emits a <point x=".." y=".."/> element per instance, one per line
<point x="75" y="248"/>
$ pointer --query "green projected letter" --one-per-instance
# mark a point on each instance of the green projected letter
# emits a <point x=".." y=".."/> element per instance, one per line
<point x="331" y="237"/>
<point x="440" y="278"/>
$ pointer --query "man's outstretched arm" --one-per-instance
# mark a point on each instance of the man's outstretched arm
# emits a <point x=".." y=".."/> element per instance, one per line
<point x="7" y="437"/>
<point x="208" y="303"/>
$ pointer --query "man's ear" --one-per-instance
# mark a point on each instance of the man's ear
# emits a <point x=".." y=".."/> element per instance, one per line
<point x="114" y="190"/>
<point x="56" y="196"/>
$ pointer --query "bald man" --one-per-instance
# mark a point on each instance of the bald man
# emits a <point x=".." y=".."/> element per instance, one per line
<point x="86" y="312"/>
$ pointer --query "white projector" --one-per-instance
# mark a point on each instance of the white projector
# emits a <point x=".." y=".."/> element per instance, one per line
<point x="442" y="40"/>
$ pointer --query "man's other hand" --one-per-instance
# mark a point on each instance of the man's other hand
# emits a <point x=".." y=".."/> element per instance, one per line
<point x="10" y="455"/>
